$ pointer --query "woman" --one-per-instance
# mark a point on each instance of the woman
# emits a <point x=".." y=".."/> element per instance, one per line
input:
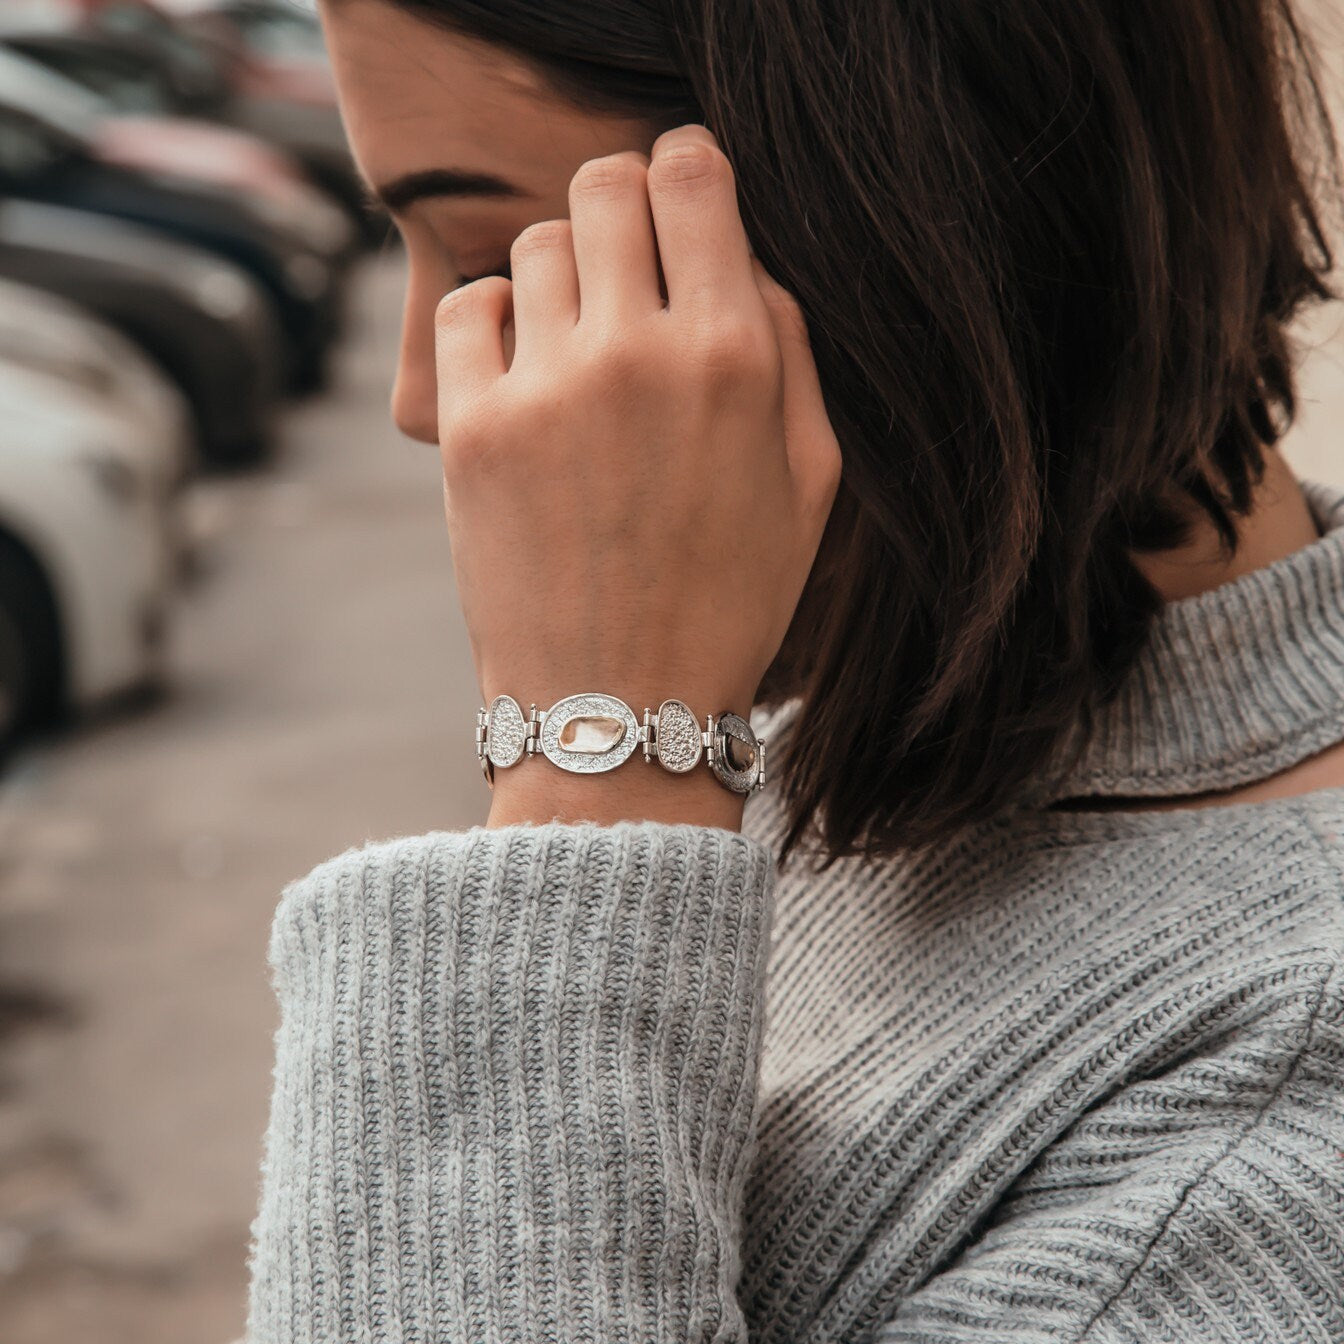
<point x="905" y="379"/>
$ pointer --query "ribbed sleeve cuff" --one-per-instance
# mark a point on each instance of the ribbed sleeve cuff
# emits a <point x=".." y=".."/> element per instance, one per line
<point x="515" y="1087"/>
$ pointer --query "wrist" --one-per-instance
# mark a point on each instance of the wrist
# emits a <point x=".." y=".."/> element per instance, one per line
<point x="537" y="791"/>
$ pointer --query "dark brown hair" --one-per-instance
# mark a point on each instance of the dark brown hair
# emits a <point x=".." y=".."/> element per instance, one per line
<point x="1047" y="250"/>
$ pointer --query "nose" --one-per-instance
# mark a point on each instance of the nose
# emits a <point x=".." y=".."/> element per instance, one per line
<point x="415" y="389"/>
<point x="415" y="401"/>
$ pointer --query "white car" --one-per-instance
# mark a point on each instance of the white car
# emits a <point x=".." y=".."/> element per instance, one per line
<point x="87" y="540"/>
<point x="53" y="336"/>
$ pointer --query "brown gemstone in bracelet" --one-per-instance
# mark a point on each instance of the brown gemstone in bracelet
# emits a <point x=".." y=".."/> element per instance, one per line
<point x="741" y="755"/>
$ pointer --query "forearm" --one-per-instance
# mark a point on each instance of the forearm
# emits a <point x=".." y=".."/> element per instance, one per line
<point x="515" y="1088"/>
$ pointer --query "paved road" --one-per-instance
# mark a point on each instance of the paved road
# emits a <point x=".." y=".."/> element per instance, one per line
<point x="323" y="695"/>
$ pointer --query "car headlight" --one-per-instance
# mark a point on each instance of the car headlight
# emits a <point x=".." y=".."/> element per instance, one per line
<point x="47" y="357"/>
<point x="332" y="228"/>
<point x="308" y="274"/>
<point x="114" y="476"/>
<point x="306" y="217"/>
<point x="223" y="294"/>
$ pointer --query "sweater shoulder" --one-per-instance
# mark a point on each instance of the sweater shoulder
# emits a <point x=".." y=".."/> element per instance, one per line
<point x="952" y="1040"/>
<point x="1060" y="883"/>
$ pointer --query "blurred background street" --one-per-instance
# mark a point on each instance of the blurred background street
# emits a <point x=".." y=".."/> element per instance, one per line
<point x="250" y="606"/>
<point x="320" y="693"/>
<point x="217" y="547"/>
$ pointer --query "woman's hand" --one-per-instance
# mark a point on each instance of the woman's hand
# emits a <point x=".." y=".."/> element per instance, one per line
<point x="635" y="499"/>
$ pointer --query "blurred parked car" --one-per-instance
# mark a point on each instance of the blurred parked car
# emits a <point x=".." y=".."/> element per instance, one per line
<point x="50" y="336"/>
<point x="202" y="320"/>
<point x="86" y="550"/>
<point x="141" y="127"/>
<point x="148" y="60"/>
<point x="272" y="33"/>
<point x="50" y="150"/>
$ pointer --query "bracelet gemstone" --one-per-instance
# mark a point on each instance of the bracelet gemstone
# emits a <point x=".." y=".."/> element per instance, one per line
<point x="604" y="728"/>
<point x="592" y="734"/>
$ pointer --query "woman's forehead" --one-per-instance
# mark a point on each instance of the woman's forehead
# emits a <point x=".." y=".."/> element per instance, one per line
<point x="416" y="98"/>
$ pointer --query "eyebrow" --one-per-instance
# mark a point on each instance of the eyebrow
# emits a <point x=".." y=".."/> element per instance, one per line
<point x="411" y="187"/>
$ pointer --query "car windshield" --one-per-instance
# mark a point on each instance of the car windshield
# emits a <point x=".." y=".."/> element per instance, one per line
<point x="50" y="99"/>
<point x="128" y="85"/>
<point x="279" y="33"/>
<point x="130" y="18"/>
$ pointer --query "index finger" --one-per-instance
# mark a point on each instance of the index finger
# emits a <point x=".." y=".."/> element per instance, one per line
<point x="702" y="245"/>
<point x="469" y="342"/>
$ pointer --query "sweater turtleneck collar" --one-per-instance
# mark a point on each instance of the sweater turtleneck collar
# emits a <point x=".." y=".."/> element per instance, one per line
<point x="1233" y="685"/>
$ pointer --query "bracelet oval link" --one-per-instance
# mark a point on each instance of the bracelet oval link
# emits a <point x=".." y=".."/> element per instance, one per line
<point x="593" y="732"/>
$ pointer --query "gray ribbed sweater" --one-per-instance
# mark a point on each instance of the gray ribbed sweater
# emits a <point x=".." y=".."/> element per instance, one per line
<point x="1079" y="1077"/>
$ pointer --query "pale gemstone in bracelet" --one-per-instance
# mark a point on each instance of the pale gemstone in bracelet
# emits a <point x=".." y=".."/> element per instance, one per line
<point x="592" y="734"/>
<point x="604" y="728"/>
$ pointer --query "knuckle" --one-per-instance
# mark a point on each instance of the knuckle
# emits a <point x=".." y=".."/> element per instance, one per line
<point x="790" y="313"/>
<point x="610" y="175"/>
<point x="616" y="355"/>
<point x="689" y="164"/>
<point x="463" y="434"/>
<point x="540" y="238"/>
<point x="531" y="405"/>
<point x="736" y="348"/>
<point x="831" y="471"/>
<point x="822" y="474"/>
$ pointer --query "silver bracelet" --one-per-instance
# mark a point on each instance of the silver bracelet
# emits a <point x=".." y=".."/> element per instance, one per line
<point x="592" y="732"/>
